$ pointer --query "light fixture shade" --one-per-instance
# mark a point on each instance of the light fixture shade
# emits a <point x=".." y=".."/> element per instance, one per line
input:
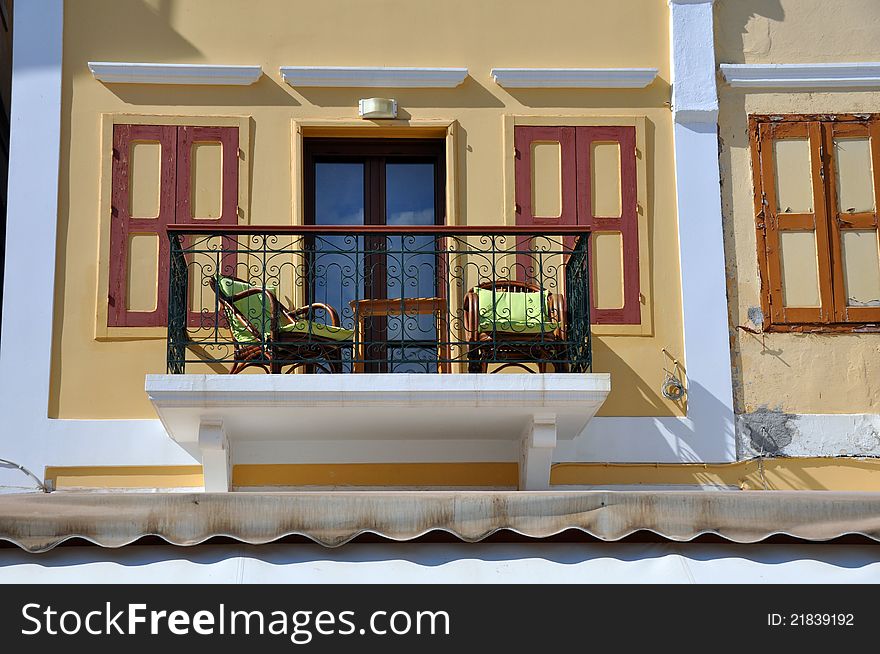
<point x="377" y="108"/>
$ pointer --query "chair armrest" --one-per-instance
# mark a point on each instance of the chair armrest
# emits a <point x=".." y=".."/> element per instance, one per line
<point x="471" y="309"/>
<point x="559" y="313"/>
<point x="304" y="312"/>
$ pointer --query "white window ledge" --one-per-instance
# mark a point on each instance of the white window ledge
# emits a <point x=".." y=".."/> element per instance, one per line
<point x="378" y="76"/>
<point x="621" y="78"/>
<point x="812" y="76"/>
<point x="213" y="416"/>
<point x="120" y="72"/>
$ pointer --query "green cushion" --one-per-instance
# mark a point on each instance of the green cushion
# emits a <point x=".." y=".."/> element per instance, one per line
<point x="257" y="308"/>
<point x="520" y="313"/>
<point x="318" y="329"/>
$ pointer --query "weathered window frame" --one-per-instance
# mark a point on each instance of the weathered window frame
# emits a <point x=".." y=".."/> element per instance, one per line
<point x="833" y="315"/>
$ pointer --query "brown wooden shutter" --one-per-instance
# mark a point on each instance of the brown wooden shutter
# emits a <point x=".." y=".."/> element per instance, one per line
<point x="124" y="226"/>
<point x="781" y="225"/>
<point x="856" y="225"/>
<point x="625" y="224"/>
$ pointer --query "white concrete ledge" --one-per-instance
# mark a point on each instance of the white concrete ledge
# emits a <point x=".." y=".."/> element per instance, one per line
<point x="120" y="72"/>
<point x="375" y="406"/>
<point x="215" y="416"/>
<point x="575" y="78"/>
<point x="807" y="76"/>
<point x="373" y="76"/>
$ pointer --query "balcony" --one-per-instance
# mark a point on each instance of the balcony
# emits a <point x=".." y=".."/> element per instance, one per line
<point x="377" y="332"/>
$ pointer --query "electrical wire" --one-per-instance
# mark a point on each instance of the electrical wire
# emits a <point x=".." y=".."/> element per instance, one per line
<point x="13" y="464"/>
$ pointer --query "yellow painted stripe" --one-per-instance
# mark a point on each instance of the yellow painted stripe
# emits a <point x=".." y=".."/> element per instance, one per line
<point x="815" y="473"/>
<point x="67" y="477"/>
<point x="376" y="474"/>
<point x="808" y="473"/>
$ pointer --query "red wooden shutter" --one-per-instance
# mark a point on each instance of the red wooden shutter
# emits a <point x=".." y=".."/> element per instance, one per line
<point x="175" y="206"/>
<point x="123" y="225"/>
<point x="525" y="138"/>
<point x="227" y="138"/>
<point x="626" y="224"/>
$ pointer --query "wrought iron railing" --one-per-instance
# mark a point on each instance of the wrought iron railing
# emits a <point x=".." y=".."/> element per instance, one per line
<point x="378" y="299"/>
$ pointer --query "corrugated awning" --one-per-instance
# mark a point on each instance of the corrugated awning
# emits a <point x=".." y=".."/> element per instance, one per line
<point x="39" y="522"/>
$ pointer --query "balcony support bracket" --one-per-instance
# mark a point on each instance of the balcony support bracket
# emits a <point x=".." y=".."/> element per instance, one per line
<point x="538" y="444"/>
<point x="216" y="456"/>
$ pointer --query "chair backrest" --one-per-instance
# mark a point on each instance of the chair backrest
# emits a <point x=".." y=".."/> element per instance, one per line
<point x="249" y="314"/>
<point x="513" y="302"/>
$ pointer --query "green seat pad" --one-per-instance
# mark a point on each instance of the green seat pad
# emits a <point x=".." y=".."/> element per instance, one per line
<point x="257" y="309"/>
<point x="518" y="313"/>
<point x="318" y="329"/>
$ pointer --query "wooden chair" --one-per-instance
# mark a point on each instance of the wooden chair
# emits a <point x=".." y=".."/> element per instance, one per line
<point x="516" y="324"/>
<point x="268" y="335"/>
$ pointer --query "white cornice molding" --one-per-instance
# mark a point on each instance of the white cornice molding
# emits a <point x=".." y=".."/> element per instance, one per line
<point x="806" y="76"/>
<point x="579" y="78"/>
<point x="373" y="76"/>
<point x="123" y="72"/>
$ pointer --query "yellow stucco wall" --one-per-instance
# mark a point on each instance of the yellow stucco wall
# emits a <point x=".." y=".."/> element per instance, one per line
<point x="104" y="378"/>
<point x="795" y="373"/>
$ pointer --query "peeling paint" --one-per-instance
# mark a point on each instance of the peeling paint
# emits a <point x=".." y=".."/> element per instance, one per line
<point x="756" y="316"/>
<point x="771" y="432"/>
<point x="768" y="431"/>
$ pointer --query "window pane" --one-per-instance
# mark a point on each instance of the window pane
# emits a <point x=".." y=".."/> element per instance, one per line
<point x="410" y="260"/>
<point x="339" y="193"/>
<point x="337" y="275"/>
<point x="855" y="185"/>
<point x="861" y="267"/>
<point x="794" y="192"/>
<point x="800" y="268"/>
<point x="409" y="200"/>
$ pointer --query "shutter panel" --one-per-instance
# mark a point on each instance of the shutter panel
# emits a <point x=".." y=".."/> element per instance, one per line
<point x="546" y="193"/>
<point x="207" y="194"/>
<point x="607" y="204"/>
<point x="545" y="176"/>
<point x="143" y="204"/>
<point x="794" y="224"/>
<point x="853" y="155"/>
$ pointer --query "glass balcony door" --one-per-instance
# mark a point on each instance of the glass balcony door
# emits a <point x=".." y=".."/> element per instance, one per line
<point x="374" y="282"/>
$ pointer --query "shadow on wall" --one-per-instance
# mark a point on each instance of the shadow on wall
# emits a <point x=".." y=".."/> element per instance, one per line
<point x="657" y="94"/>
<point x="130" y="31"/>
<point x="742" y="27"/>
<point x="469" y="94"/>
<point x="712" y="441"/>
<point x="265" y="92"/>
